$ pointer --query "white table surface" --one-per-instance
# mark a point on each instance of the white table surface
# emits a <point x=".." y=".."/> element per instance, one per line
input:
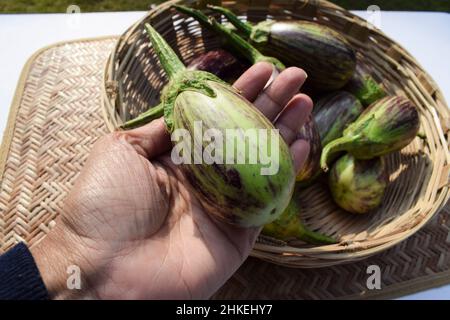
<point x="425" y="35"/>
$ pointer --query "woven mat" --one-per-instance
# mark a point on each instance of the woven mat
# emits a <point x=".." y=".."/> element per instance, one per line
<point x="56" y="117"/>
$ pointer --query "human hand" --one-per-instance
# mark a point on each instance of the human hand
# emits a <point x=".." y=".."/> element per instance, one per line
<point x="132" y="224"/>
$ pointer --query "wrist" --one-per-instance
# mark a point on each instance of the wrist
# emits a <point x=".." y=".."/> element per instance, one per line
<point x="61" y="265"/>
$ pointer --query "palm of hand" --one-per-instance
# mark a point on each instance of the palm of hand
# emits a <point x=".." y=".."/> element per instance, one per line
<point x="154" y="237"/>
<point x="134" y="225"/>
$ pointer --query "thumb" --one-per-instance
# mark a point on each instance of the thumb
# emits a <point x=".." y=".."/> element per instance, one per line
<point x="150" y="140"/>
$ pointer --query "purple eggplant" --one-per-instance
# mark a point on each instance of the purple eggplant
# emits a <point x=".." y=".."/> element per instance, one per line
<point x="220" y="63"/>
<point x="311" y="167"/>
<point x="333" y="113"/>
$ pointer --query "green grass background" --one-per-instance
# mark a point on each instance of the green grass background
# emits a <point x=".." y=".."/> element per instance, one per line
<point x="44" y="6"/>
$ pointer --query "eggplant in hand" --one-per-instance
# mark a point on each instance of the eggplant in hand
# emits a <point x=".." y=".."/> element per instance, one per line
<point x="237" y="193"/>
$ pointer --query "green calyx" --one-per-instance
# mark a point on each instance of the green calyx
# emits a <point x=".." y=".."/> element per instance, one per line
<point x="180" y="79"/>
<point x="370" y="92"/>
<point x="186" y="81"/>
<point x="170" y="62"/>
<point x="260" y="33"/>
<point x="238" y="43"/>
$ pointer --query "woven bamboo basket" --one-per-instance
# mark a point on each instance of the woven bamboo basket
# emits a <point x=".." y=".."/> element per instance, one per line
<point x="418" y="174"/>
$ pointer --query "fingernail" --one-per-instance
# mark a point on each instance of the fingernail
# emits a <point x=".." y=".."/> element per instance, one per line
<point x="273" y="76"/>
<point x="306" y="75"/>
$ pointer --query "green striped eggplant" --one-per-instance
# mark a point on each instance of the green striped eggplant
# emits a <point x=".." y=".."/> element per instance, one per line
<point x="290" y="226"/>
<point x="387" y="125"/>
<point x="364" y="86"/>
<point x="236" y="192"/>
<point x="322" y="52"/>
<point x="334" y="112"/>
<point x="310" y="133"/>
<point x="358" y="186"/>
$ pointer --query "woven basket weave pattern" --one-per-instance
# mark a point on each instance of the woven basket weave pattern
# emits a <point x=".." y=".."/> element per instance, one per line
<point x="53" y="134"/>
<point x="418" y="174"/>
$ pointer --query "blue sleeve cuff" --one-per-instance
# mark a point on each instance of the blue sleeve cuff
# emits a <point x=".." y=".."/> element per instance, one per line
<point x="19" y="276"/>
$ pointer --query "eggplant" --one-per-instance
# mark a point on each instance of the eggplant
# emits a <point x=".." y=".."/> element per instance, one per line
<point x="364" y="86"/>
<point x="311" y="167"/>
<point x="239" y="193"/>
<point x="290" y="226"/>
<point x="358" y="186"/>
<point x="387" y="125"/>
<point x="220" y="63"/>
<point x="322" y="52"/>
<point x="334" y="112"/>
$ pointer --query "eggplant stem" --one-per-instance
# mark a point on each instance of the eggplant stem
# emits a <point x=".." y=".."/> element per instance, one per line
<point x="243" y="47"/>
<point x="170" y="62"/>
<point x="331" y="149"/>
<point x="245" y="27"/>
<point x="196" y="14"/>
<point x="316" y="238"/>
<point x="145" y="117"/>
